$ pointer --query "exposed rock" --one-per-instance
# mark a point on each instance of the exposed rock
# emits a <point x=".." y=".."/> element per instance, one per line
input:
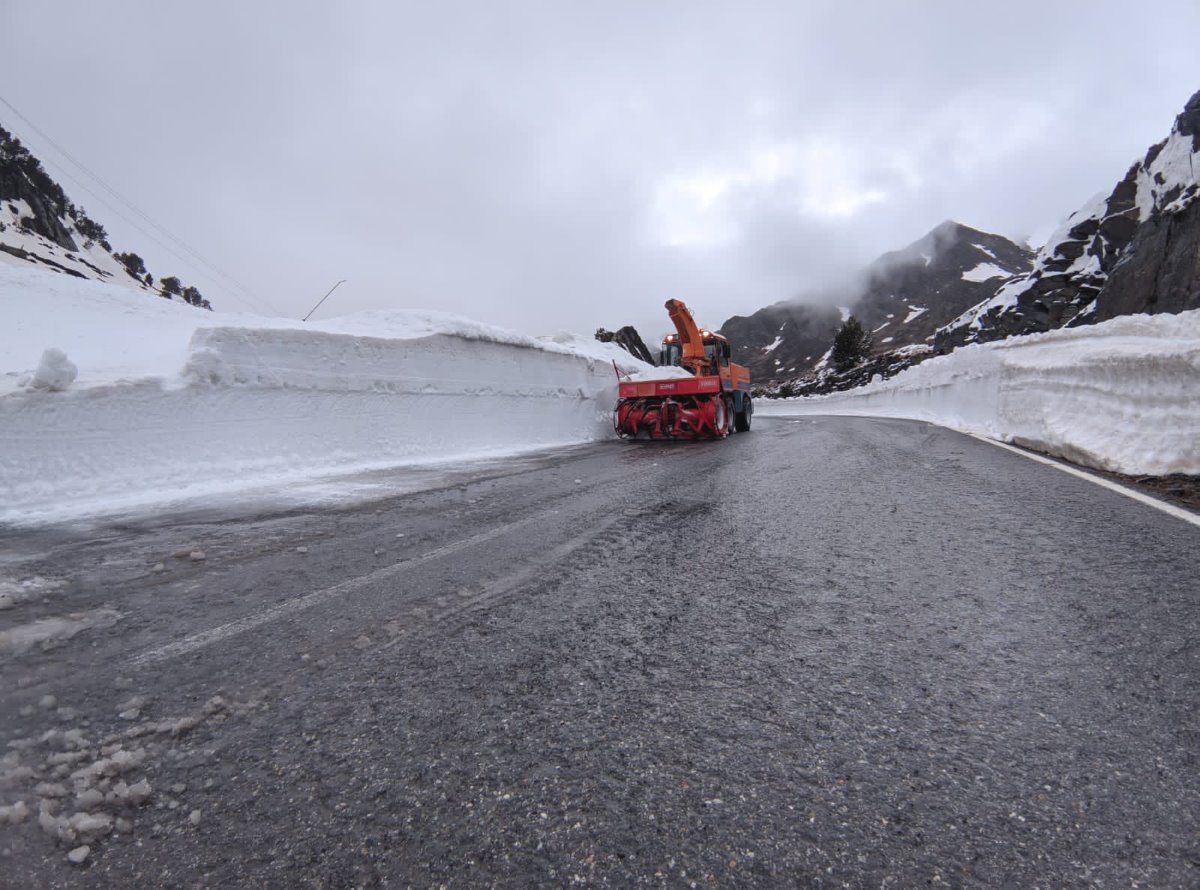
<point x="628" y="339"/>
<point x="827" y="380"/>
<point x="1188" y="122"/>
<point x="22" y="179"/>
<point x="1161" y="271"/>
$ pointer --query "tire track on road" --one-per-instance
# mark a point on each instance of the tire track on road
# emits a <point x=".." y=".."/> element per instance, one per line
<point x="213" y="635"/>
<point x="494" y="591"/>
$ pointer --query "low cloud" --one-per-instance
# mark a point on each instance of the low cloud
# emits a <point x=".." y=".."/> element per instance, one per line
<point x="549" y="166"/>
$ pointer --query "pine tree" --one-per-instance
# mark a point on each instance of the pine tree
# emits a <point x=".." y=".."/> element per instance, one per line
<point x="133" y="263"/>
<point x="170" y="285"/>
<point x="91" y="230"/>
<point x="851" y="345"/>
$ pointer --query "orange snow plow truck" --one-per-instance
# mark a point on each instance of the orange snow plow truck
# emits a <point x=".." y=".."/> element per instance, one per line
<point x="707" y="405"/>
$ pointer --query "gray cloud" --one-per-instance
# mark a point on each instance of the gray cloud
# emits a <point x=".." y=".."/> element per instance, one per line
<point x="553" y="166"/>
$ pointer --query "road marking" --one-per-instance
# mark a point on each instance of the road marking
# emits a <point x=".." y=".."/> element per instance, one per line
<point x="300" y="603"/>
<point x="1169" y="509"/>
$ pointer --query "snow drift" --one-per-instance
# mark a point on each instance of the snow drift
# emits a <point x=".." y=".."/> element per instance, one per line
<point x="171" y="402"/>
<point x="1122" y="396"/>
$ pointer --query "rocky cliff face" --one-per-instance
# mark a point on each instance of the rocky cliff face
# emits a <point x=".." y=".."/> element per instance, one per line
<point x="23" y="180"/>
<point x="902" y="299"/>
<point x="1134" y="250"/>
<point x="42" y="217"/>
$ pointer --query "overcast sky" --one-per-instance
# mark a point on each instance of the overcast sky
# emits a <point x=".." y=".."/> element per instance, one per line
<point x="564" y="165"/>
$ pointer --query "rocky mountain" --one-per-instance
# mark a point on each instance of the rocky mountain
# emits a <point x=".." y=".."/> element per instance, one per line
<point x="1135" y="250"/>
<point x="902" y="298"/>
<point x="39" y="225"/>
<point x="782" y="340"/>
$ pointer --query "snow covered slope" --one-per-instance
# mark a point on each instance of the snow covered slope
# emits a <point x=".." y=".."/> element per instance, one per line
<point x="23" y="246"/>
<point x="1123" y="395"/>
<point x="167" y="403"/>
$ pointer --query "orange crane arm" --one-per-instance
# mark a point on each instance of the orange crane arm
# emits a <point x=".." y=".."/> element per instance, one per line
<point x="693" y="356"/>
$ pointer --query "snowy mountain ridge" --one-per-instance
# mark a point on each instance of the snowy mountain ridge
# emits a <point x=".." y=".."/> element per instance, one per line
<point x="901" y="298"/>
<point x="1134" y="250"/>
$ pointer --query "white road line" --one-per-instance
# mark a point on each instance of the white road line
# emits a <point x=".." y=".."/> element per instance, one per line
<point x="300" y="603"/>
<point x="1169" y="509"/>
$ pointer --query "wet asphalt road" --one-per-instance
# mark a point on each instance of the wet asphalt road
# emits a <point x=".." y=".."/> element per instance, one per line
<point x="832" y="652"/>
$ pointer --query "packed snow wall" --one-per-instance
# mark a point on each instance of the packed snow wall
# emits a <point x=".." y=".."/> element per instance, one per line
<point x="1122" y="396"/>
<point x="261" y="406"/>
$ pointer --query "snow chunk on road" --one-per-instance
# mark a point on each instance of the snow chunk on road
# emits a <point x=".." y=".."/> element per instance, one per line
<point x="46" y="631"/>
<point x="13" y="592"/>
<point x="55" y="372"/>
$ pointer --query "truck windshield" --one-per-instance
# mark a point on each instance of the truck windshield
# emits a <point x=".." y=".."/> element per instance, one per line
<point x="671" y="354"/>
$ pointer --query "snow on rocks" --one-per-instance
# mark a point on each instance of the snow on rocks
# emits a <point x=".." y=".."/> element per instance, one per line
<point x="985" y="272"/>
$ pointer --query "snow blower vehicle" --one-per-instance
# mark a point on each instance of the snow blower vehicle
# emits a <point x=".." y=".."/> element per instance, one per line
<point x="706" y="405"/>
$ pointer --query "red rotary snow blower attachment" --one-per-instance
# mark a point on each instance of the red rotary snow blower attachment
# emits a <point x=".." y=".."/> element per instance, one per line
<point x="706" y="405"/>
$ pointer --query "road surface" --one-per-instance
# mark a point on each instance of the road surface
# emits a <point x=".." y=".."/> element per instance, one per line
<point x="832" y="652"/>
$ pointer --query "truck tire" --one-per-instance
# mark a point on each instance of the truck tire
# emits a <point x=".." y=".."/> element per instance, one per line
<point x="741" y="420"/>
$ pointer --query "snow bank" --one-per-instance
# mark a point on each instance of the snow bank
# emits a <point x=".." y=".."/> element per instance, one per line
<point x="172" y="402"/>
<point x="1121" y="396"/>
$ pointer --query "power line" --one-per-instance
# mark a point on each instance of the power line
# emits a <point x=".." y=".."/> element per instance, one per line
<point x="230" y="281"/>
<point x="178" y="242"/>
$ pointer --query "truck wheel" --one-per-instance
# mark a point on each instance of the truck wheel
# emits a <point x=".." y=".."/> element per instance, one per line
<point x="721" y="417"/>
<point x="741" y="420"/>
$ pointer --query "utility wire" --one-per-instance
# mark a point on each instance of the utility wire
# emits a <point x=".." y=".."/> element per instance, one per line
<point x="212" y="268"/>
